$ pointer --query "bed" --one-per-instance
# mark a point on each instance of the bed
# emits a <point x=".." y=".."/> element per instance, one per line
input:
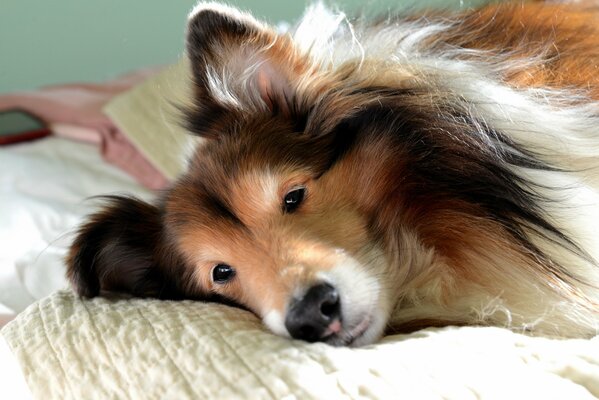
<point x="43" y="191"/>
<point x="63" y="347"/>
<point x="68" y="348"/>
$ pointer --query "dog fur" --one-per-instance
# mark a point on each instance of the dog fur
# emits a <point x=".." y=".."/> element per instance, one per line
<point x="448" y="164"/>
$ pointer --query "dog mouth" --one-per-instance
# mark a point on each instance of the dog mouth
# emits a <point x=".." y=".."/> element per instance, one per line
<point x="347" y="337"/>
<point x="346" y="306"/>
<point x="349" y="326"/>
<point x="323" y="314"/>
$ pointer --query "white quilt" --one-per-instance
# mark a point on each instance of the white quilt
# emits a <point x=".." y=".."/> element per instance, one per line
<point x="43" y="187"/>
<point x="149" y="349"/>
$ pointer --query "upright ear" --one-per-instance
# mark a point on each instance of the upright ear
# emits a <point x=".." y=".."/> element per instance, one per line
<point x="122" y="248"/>
<point x="240" y="63"/>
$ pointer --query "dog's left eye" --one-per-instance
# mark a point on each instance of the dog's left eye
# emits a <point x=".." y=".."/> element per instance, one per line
<point x="222" y="273"/>
<point x="293" y="199"/>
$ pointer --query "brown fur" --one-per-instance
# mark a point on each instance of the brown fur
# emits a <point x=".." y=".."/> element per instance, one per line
<point x="564" y="35"/>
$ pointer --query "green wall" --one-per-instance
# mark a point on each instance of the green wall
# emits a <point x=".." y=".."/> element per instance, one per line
<point x="52" y="41"/>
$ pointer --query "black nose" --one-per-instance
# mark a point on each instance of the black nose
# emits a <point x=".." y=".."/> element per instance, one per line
<point x="309" y="317"/>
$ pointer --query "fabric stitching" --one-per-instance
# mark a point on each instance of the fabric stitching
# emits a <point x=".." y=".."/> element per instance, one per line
<point x="56" y="355"/>
<point x="167" y="353"/>
<point x="232" y="349"/>
<point x="106" y="348"/>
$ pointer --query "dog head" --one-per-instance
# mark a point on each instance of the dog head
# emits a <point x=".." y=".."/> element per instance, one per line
<point x="273" y="213"/>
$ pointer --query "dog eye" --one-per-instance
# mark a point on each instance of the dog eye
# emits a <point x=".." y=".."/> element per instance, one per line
<point x="293" y="199"/>
<point x="222" y="273"/>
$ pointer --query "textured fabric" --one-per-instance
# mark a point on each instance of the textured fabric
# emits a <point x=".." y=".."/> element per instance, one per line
<point x="149" y="349"/>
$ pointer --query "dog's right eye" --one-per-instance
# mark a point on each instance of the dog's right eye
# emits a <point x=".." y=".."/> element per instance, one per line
<point x="293" y="199"/>
<point x="222" y="273"/>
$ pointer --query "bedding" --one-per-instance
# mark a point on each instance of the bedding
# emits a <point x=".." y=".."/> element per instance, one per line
<point x="75" y="111"/>
<point x="70" y="348"/>
<point x="43" y="190"/>
<point x="46" y="185"/>
<point x="97" y="149"/>
<point x="43" y="187"/>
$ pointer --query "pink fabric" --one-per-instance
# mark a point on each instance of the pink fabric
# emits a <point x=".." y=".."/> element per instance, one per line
<point x="5" y="319"/>
<point x="75" y="111"/>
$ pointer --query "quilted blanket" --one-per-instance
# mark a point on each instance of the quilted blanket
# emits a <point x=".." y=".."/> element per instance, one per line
<point x="148" y="349"/>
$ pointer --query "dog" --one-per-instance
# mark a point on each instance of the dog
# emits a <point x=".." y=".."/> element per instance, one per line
<point x="362" y="176"/>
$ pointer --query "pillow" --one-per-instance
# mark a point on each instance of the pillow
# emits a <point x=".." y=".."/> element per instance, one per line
<point x="150" y="116"/>
<point x="70" y="348"/>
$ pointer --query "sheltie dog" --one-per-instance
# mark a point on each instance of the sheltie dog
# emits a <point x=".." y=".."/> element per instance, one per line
<point x="363" y="176"/>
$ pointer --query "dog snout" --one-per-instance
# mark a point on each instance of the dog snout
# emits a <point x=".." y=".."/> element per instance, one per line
<point x="316" y="315"/>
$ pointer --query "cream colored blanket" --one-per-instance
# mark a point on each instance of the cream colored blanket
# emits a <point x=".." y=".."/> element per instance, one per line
<point x="149" y="349"/>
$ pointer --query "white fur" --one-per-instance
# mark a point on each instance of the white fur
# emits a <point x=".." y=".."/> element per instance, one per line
<point x="219" y="88"/>
<point x="363" y="293"/>
<point x="276" y="323"/>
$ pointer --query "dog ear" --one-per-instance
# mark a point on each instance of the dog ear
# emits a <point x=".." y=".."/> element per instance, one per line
<point x="121" y="248"/>
<point x="239" y="63"/>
